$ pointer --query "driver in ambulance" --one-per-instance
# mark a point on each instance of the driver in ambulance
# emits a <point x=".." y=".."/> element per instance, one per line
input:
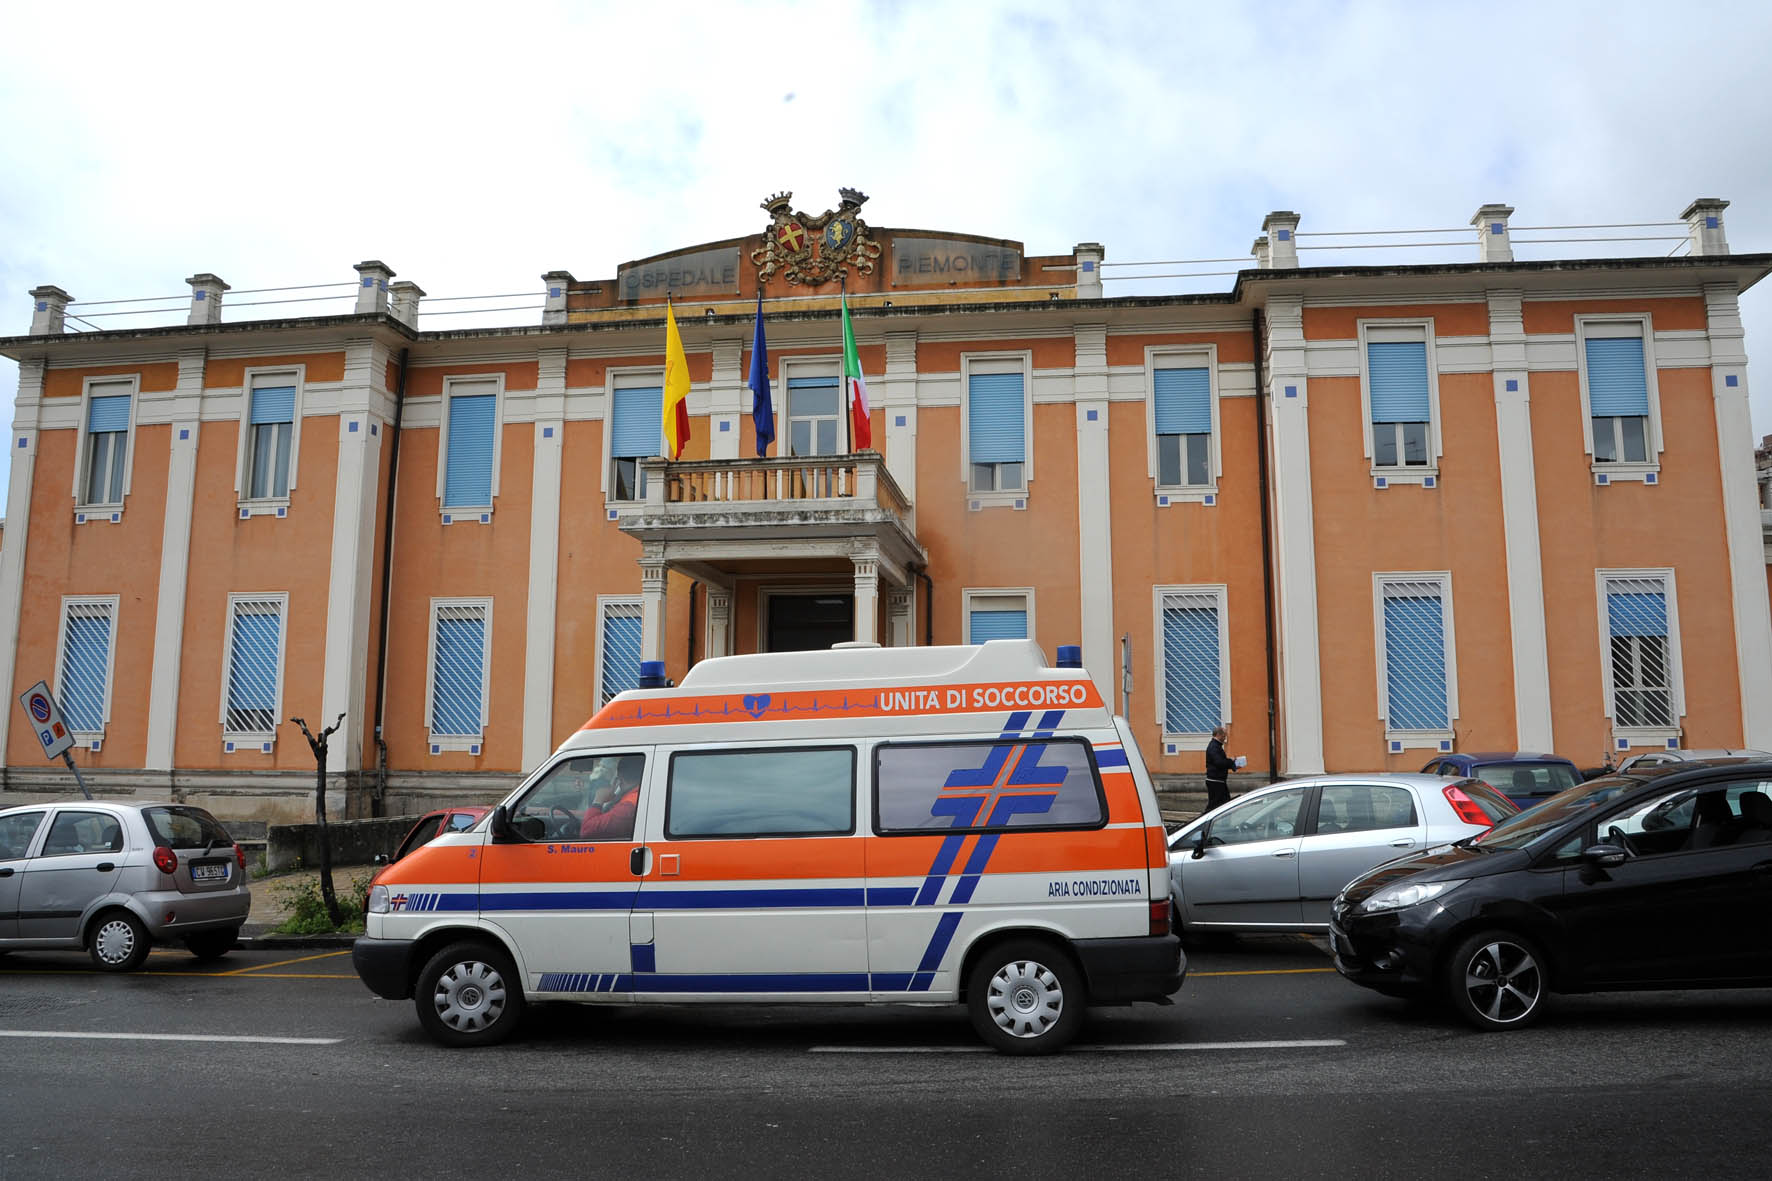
<point x="615" y="802"/>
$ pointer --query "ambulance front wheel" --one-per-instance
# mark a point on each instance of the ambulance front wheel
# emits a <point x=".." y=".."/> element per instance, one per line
<point x="1025" y="996"/>
<point x="468" y="995"/>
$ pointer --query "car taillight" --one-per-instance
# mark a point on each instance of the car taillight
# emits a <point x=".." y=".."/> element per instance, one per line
<point x="240" y="858"/>
<point x="165" y="860"/>
<point x="1160" y="917"/>
<point x="1467" y="808"/>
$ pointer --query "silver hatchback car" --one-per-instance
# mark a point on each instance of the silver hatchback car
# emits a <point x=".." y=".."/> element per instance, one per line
<point x="1273" y="859"/>
<point x="117" y="878"/>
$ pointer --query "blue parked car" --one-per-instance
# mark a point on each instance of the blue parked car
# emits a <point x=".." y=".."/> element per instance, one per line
<point x="1523" y="776"/>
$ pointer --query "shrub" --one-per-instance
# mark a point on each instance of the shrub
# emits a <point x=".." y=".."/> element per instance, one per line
<point x="307" y="907"/>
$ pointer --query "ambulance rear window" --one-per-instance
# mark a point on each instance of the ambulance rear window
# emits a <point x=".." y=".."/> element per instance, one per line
<point x="973" y="786"/>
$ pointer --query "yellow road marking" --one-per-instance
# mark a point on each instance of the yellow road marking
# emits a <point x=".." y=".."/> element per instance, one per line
<point x="256" y="968"/>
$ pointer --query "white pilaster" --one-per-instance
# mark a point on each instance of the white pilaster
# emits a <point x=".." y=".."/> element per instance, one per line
<point x="902" y="632"/>
<point x="652" y="608"/>
<point x="362" y="421"/>
<point x="22" y="446"/>
<point x="1741" y="515"/>
<point x="1095" y="550"/>
<point x="544" y="559"/>
<point x="728" y="397"/>
<point x="898" y="397"/>
<point x="1519" y="520"/>
<point x="867" y="595"/>
<point x="175" y="562"/>
<point x="719" y="621"/>
<point x="1295" y="566"/>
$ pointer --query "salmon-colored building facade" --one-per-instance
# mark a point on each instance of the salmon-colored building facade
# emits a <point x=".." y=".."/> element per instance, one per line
<point x="1362" y="515"/>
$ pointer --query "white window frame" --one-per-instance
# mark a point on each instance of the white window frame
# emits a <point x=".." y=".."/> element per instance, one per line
<point x="808" y="366"/>
<point x="256" y="739"/>
<point x="1628" y="326"/>
<point x="89" y="389"/>
<point x="1172" y="740"/>
<point x="1182" y="357"/>
<point x="1385" y="330"/>
<point x="970" y="595"/>
<point x="451" y="387"/>
<point x="297" y="375"/>
<point x="625" y="378"/>
<point x="604" y="602"/>
<point x="1435" y="740"/>
<point x="88" y="739"/>
<point x="1013" y="361"/>
<point x="442" y="743"/>
<point x="1655" y="736"/>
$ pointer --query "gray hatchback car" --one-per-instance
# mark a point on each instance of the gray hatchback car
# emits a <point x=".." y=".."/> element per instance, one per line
<point x="116" y="878"/>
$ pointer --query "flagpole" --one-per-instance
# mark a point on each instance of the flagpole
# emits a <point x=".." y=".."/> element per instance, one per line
<point x="848" y="410"/>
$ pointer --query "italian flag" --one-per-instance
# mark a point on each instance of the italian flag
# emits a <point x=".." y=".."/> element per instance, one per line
<point x="855" y="386"/>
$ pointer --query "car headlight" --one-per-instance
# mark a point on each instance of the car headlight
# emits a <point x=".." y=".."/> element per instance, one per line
<point x="378" y="900"/>
<point x="1409" y="894"/>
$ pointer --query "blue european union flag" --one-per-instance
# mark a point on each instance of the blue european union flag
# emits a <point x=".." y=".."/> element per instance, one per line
<point x="763" y="413"/>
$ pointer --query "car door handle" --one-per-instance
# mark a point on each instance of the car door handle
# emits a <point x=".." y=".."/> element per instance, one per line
<point x="1284" y="852"/>
<point x="105" y="866"/>
<point x="1405" y="843"/>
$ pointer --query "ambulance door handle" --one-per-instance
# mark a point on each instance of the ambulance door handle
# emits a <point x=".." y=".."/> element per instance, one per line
<point x="638" y="860"/>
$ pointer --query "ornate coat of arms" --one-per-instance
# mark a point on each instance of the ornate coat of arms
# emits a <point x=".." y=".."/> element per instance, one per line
<point x="815" y="250"/>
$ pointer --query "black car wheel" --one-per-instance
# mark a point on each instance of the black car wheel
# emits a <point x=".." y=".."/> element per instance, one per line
<point x="469" y="995"/>
<point x="1025" y="997"/>
<point x="1497" y="980"/>
<point x="212" y="945"/>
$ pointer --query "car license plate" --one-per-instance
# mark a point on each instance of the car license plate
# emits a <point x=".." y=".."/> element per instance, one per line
<point x="215" y="872"/>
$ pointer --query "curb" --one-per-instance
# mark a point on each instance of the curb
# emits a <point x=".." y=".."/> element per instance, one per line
<point x="268" y="939"/>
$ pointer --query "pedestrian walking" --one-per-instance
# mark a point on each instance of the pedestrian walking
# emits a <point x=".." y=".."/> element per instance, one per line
<point x="1218" y="770"/>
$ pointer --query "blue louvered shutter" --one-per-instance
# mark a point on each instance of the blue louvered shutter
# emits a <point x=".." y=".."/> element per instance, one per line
<point x="1636" y="607"/>
<point x="108" y="413"/>
<point x="1415" y="656"/>
<point x="1397" y="370"/>
<point x="86" y="651"/>
<point x="996" y="418"/>
<point x="1192" y="691"/>
<point x="638" y="431"/>
<point x="1184" y="402"/>
<point x="999" y="625"/>
<point x="621" y="648"/>
<point x="1617" y="384"/>
<point x="273" y="404"/>
<point x="458" y="677"/>
<point x="252" y="667"/>
<point x="472" y="434"/>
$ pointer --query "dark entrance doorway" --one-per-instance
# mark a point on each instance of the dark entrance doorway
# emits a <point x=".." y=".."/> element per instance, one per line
<point x="802" y="623"/>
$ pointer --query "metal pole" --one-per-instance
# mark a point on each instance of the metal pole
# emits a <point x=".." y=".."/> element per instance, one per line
<point x="69" y="760"/>
<point x="1126" y="676"/>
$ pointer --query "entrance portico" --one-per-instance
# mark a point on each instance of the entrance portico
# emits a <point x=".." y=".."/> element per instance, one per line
<point x="818" y="526"/>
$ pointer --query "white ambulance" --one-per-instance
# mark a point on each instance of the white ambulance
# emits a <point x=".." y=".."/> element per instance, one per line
<point x="857" y="825"/>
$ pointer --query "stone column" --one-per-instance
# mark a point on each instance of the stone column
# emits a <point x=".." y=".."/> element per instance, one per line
<point x="1704" y="223"/>
<point x="1281" y="228"/>
<point x="652" y="607"/>
<point x="1089" y="256"/>
<point x="719" y="622"/>
<point x="49" y="310"/>
<point x="867" y="595"/>
<point x="406" y="296"/>
<point x="372" y="286"/>
<point x="206" y="298"/>
<point x="1095" y="556"/>
<point x="1494" y="245"/>
<point x="559" y="284"/>
<point x="175" y="559"/>
<point x="544" y="557"/>
<point x="22" y="446"/>
<point x="1295" y="554"/>
<point x="901" y="620"/>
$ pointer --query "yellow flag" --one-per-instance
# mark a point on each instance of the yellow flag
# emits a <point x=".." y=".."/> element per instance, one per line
<point x="676" y="389"/>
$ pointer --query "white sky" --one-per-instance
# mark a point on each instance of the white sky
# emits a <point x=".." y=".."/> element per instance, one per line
<point x="473" y="146"/>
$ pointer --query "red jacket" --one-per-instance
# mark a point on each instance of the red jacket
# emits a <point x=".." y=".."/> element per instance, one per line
<point x="616" y="823"/>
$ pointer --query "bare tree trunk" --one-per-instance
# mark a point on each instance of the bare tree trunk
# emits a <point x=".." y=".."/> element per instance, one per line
<point x="318" y="745"/>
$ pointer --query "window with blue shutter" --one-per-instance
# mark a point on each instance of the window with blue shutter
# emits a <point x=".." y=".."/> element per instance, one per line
<point x="636" y="432"/>
<point x="620" y="650"/>
<point x="997" y="625"/>
<point x="1399" y="400"/>
<point x="270" y="432"/>
<point x="1642" y="682"/>
<point x="255" y="654"/>
<point x="86" y="665"/>
<point x="1618" y="398"/>
<point x="1415" y="656"/>
<point x="467" y="482"/>
<point x="1183" y="422"/>
<point x="1193" y="690"/>
<point x="458" y="671"/>
<point x="107" y="445"/>
<point x="996" y="430"/>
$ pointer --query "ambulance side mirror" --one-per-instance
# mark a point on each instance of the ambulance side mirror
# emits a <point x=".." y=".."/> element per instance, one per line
<point x="500" y="827"/>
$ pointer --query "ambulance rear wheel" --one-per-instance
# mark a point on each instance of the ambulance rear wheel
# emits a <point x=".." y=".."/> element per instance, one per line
<point x="1025" y="996"/>
<point x="468" y="995"/>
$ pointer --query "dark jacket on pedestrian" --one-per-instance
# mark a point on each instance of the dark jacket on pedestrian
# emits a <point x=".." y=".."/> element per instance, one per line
<point x="1218" y="764"/>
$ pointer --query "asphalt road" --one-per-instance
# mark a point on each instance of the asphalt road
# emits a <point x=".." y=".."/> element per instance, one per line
<point x="1267" y="1064"/>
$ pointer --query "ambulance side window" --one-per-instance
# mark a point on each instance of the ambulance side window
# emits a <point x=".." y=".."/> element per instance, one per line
<point x="968" y="786"/>
<point x="805" y="791"/>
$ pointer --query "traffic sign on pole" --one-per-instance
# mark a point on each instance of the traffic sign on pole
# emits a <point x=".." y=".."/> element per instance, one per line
<point x="46" y="719"/>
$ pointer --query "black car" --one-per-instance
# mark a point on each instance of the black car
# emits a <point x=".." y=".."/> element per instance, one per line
<point x="1656" y="879"/>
